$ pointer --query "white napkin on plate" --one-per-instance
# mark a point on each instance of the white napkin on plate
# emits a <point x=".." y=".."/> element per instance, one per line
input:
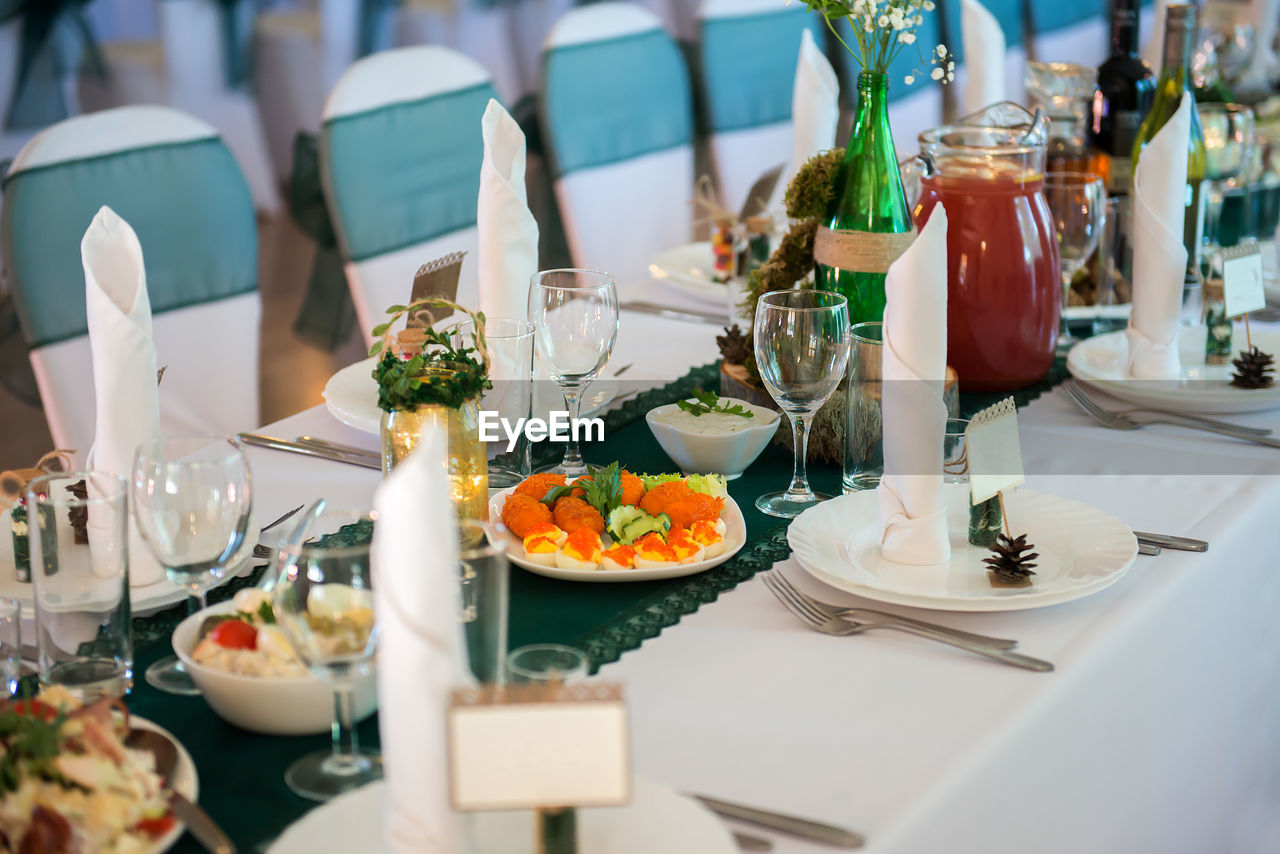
<point x="508" y="232"/>
<point x="815" y="107"/>
<point x="1159" y="257"/>
<point x="415" y="571"/>
<point x="913" y="511"/>
<point x="124" y="362"/>
<point x="983" y="56"/>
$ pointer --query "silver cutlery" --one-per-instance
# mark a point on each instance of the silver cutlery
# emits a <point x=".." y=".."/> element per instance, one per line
<point x="885" y="616"/>
<point x="750" y="842"/>
<point x="840" y="626"/>
<point x="1116" y="421"/>
<point x="1168" y="541"/>
<point x="310" y="450"/>
<point x="802" y="827"/>
<point x="1186" y="416"/>
<point x="285" y="518"/>
<point x="628" y="366"/>
<point x="339" y="447"/>
<point x="689" y="315"/>
<point x="1148" y="549"/>
<point x="198" y="822"/>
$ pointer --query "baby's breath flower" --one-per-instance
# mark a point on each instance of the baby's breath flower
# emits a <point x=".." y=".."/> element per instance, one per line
<point x="942" y="50"/>
<point x="936" y="74"/>
<point x="927" y="5"/>
<point x="907" y="38"/>
<point x="909" y="79"/>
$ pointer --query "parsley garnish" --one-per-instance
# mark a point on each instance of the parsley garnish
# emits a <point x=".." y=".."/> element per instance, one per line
<point x="707" y="404"/>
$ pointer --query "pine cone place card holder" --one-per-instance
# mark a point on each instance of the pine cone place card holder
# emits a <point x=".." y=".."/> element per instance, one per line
<point x="995" y="465"/>
<point x="1243" y="292"/>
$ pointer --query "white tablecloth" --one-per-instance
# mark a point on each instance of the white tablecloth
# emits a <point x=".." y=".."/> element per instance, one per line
<point x="1158" y="732"/>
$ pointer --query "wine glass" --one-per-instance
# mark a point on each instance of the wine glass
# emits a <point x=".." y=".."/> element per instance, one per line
<point x="802" y="340"/>
<point x="1228" y="147"/>
<point x="1078" y="204"/>
<point x="192" y="498"/>
<point x="576" y="315"/>
<point x="323" y="603"/>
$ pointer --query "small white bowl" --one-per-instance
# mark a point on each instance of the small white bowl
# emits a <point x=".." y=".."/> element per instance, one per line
<point x="726" y="453"/>
<point x="301" y="705"/>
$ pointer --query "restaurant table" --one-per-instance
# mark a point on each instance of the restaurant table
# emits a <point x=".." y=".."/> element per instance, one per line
<point x="1158" y="731"/>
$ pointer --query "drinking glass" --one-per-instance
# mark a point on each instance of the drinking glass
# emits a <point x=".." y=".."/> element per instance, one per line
<point x="11" y="643"/>
<point x="192" y="497"/>
<point x="864" y="425"/>
<point x="546" y="663"/>
<point x="483" y="583"/>
<point x="1078" y="206"/>
<point x="1228" y="145"/>
<point x="576" y="315"/>
<point x="1113" y="265"/>
<point x="955" y="456"/>
<point x="323" y="601"/>
<point x="802" y="348"/>
<point x="510" y="344"/>
<point x="78" y="530"/>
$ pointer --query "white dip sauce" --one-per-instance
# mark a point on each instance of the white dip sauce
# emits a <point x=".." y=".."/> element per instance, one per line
<point x="709" y="422"/>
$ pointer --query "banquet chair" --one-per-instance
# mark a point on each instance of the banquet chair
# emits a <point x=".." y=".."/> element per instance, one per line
<point x="483" y="31"/>
<point x="746" y="60"/>
<point x="616" y="116"/>
<point x="172" y="178"/>
<point x="400" y="153"/>
<point x="1069" y="32"/>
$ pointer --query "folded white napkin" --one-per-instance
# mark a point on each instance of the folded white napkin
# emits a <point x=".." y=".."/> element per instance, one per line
<point x="415" y="571"/>
<point x="1153" y="51"/>
<point x="508" y="232"/>
<point x="913" y="512"/>
<point x="815" y="107"/>
<point x="1159" y="257"/>
<point x="983" y="56"/>
<point x="124" y="362"/>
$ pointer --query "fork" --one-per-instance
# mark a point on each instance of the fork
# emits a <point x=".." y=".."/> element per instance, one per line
<point x="839" y="627"/>
<point x="1115" y="421"/>
<point x="886" y="617"/>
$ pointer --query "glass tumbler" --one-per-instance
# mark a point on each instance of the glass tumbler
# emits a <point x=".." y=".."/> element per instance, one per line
<point x="79" y="536"/>
<point x="864" y="442"/>
<point x="483" y="585"/>
<point x="510" y="343"/>
<point x="11" y="643"/>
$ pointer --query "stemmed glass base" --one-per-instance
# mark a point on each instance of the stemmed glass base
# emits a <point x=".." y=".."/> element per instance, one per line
<point x="323" y="775"/>
<point x="168" y="675"/>
<point x="788" y="505"/>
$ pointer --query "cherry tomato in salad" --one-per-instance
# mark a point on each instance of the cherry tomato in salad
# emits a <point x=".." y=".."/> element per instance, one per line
<point x="235" y="634"/>
<point x="156" y="827"/>
<point x="35" y="709"/>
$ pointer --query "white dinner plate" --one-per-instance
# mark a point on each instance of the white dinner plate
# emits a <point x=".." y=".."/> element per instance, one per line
<point x="1098" y="312"/>
<point x="184" y="780"/>
<point x="735" y="537"/>
<point x="351" y="396"/>
<point x="1102" y="362"/>
<point x="142" y="600"/>
<point x="1082" y="550"/>
<point x="657" y="821"/>
<point x="688" y="269"/>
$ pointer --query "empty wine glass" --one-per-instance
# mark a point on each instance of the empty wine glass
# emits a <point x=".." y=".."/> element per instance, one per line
<point x="802" y="342"/>
<point x="1228" y="146"/>
<point x="323" y="602"/>
<point x="576" y="315"/>
<point x="1078" y="204"/>
<point x="192" y="498"/>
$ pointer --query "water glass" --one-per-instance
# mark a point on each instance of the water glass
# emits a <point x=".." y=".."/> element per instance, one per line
<point x="483" y="584"/>
<point x="192" y="498"/>
<point x="1113" y="265"/>
<point x="78" y="530"/>
<point x="955" y="457"/>
<point x="510" y="343"/>
<point x="11" y="643"/>
<point x="802" y="349"/>
<point x="1228" y="147"/>
<point x="576" y="315"/>
<point x="863" y="435"/>
<point x="1078" y="204"/>
<point x="323" y="602"/>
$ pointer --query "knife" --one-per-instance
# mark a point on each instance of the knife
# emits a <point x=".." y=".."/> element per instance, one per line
<point x="1168" y="541"/>
<point x="325" y="444"/>
<point x="802" y="827"/>
<point x="690" y="315"/>
<point x="748" y="842"/>
<point x="1145" y="548"/>
<point x="272" y="442"/>
<point x="761" y="192"/>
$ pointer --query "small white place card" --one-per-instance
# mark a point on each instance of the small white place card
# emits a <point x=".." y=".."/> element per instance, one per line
<point x="1242" y="280"/>
<point x="995" y="456"/>
<point x="539" y="746"/>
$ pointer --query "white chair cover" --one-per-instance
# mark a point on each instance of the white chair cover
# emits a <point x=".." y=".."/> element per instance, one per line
<point x="481" y="31"/>
<point x="178" y="185"/>
<point x="400" y="162"/>
<point x="1069" y="32"/>
<point x="617" y="120"/>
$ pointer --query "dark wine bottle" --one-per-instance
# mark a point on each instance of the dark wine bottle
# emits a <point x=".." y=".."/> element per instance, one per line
<point x="1125" y="89"/>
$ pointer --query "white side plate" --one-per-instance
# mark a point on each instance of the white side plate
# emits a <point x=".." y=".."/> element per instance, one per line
<point x="688" y="269"/>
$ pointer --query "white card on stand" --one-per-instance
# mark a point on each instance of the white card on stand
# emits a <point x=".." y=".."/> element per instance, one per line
<point x="995" y="456"/>
<point x="1242" y="280"/>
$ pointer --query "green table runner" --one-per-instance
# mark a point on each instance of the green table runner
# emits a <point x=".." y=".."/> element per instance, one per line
<point x="242" y="774"/>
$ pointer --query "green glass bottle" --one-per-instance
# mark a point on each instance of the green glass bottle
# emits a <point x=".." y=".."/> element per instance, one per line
<point x="1175" y="79"/>
<point x="869" y="197"/>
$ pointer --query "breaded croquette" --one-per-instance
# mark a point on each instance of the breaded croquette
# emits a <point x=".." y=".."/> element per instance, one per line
<point x="574" y="513"/>
<point x="538" y="485"/>
<point x="523" y="513"/>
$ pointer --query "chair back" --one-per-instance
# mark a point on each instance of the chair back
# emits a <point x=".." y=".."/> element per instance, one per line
<point x="746" y="72"/>
<point x="171" y="177"/>
<point x="617" y="118"/>
<point x="400" y="153"/>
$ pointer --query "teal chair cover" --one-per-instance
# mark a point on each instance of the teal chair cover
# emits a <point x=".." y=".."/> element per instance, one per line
<point x="377" y="20"/>
<point x="747" y="66"/>
<point x="186" y="200"/>
<point x="1050" y="15"/>
<point x="55" y="40"/>
<point x="610" y="101"/>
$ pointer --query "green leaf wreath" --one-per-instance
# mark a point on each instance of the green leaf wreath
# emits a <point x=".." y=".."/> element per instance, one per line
<point x="410" y="383"/>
